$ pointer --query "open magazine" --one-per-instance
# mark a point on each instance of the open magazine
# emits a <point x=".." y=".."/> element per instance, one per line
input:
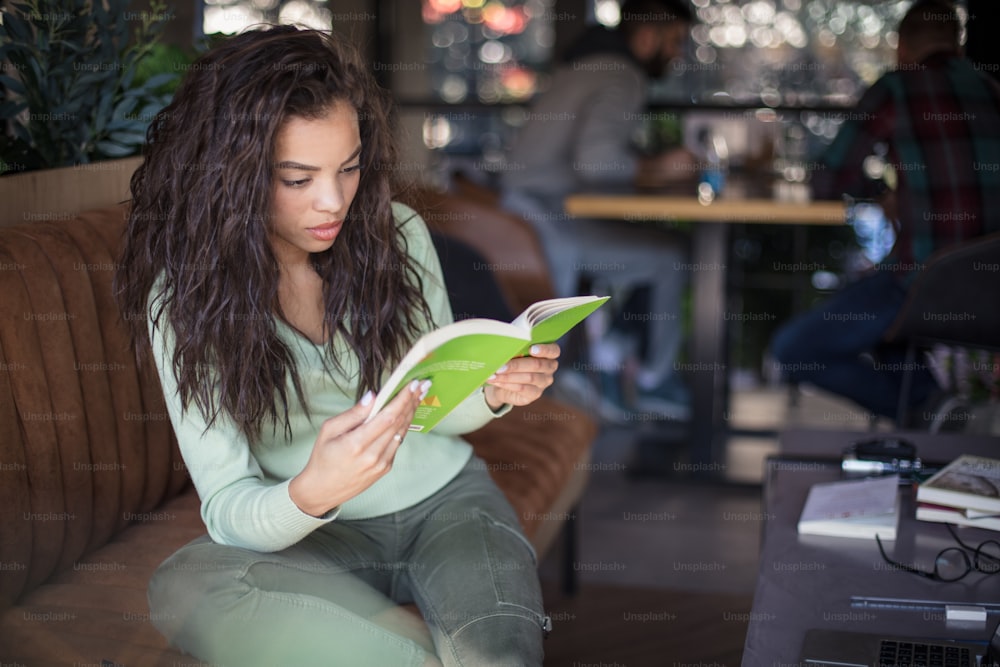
<point x="459" y="357"/>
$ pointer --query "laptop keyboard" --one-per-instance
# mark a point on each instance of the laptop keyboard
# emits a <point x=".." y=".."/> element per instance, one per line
<point x="919" y="654"/>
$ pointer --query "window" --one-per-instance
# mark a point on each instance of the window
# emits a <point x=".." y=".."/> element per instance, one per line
<point x="233" y="16"/>
<point x="487" y="51"/>
<point x="784" y="52"/>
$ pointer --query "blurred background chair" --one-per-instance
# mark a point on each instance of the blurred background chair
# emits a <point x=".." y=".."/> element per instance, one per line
<point x="952" y="302"/>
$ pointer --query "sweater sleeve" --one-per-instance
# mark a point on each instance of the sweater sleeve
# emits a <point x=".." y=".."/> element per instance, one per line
<point x="604" y="153"/>
<point x="473" y="412"/>
<point x="239" y="505"/>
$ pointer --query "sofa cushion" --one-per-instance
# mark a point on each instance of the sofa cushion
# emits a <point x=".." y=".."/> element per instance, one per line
<point x="532" y="453"/>
<point x="96" y="610"/>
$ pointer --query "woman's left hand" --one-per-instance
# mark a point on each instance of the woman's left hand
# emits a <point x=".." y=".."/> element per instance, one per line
<point x="523" y="379"/>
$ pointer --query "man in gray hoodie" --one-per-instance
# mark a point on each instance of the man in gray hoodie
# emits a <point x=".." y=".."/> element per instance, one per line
<point x="580" y="136"/>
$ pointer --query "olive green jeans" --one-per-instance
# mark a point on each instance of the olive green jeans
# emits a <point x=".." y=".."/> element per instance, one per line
<point x="332" y="599"/>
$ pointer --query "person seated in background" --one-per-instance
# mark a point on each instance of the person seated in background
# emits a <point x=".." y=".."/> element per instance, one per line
<point x="938" y="120"/>
<point x="579" y="136"/>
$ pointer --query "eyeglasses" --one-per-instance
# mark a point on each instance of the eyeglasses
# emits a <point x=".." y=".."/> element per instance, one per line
<point x="954" y="563"/>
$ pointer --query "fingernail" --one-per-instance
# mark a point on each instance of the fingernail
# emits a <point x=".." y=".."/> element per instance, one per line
<point x="535" y="349"/>
<point x="491" y="378"/>
<point x="425" y="387"/>
<point x="413" y="386"/>
<point x="367" y="398"/>
<point x="502" y="368"/>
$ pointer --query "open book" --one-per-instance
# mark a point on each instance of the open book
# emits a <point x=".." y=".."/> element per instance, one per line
<point x="459" y="357"/>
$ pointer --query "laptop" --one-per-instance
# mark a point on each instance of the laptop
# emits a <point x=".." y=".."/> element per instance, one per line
<point x="839" y="648"/>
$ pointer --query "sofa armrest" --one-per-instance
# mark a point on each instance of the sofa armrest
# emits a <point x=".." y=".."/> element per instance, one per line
<point x="538" y="455"/>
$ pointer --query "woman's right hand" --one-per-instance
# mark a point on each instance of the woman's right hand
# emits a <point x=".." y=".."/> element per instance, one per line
<point x="351" y="455"/>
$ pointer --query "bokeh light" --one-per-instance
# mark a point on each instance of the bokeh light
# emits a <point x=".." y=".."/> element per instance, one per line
<point x="491" y="50"/>
<point x="812" y="51"/>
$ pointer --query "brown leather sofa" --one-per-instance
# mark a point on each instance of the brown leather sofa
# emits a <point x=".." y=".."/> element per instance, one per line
<point x="93" y="492"/>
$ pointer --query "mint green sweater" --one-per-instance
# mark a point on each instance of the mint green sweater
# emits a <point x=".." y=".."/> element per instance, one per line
<point x="244" y="488"/>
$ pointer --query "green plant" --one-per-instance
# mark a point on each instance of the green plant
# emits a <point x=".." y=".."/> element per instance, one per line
<point x="69" y="74"/>
<point x="164" y="58"/>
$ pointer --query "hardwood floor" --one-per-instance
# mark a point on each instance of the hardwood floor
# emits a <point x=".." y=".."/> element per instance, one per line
<point x="667" y="566"/>
<point x="619" y="626"/>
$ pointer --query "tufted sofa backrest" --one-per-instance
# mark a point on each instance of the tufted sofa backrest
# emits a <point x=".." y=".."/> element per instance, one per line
<point x="85" y="443"/>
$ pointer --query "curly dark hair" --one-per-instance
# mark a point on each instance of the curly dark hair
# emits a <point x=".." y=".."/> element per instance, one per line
<point x="199" y="221"/>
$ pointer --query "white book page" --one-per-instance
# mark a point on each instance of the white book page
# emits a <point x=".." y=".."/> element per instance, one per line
<point x="540" y="310"/>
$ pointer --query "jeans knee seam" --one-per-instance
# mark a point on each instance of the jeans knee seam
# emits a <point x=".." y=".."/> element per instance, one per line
<point x="513" y="531"/>
<point x="527" y="617"/>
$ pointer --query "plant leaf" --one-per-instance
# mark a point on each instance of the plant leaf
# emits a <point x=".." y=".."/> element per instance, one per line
<point x="124" y="107"/>
<point x="157" y="80"/>
<point x="22" y="132"/>
<point x="103" y="111"/>
<point x="17" y="28"/>
<point x="126" y="83"/>
<point x="12" y="84"/>
<point x="112" y="149"/>
<point x="10" y="109"/>
<point x="133" y="138"/>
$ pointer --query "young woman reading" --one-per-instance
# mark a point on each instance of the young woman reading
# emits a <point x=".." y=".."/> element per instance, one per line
<point x="279" y="284"/>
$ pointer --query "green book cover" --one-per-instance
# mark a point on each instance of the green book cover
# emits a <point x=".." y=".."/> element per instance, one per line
<point x="459" y="357"/>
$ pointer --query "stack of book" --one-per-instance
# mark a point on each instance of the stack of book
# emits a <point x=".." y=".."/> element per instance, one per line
<point x="966" y="492"/>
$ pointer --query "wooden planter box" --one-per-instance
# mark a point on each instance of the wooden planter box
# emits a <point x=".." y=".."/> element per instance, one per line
<point x="59" y="194"/>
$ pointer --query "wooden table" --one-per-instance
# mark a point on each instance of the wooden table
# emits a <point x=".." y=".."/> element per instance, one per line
<point x="743" y="201"/>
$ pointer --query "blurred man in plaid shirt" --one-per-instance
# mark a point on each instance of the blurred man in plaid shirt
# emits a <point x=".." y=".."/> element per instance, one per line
<point x="936" y="121"/>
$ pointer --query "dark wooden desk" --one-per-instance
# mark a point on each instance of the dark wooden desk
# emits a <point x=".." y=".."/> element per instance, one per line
<point x="743" y="201"/>
<point x="808" y="581"/>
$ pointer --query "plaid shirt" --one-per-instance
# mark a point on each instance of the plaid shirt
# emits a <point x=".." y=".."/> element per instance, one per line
<point x="939" y="124"/>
